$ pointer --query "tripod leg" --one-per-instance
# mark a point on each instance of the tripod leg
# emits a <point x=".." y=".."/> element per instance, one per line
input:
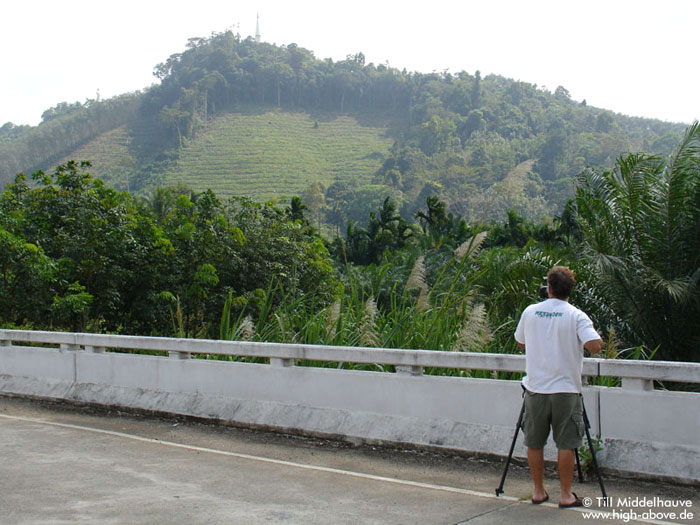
<point x="499" y="490"/>
<point x="578" y="466"/>
<point x="587" y="426"/>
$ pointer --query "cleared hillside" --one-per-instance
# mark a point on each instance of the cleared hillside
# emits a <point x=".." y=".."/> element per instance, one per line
<point x="110" y="157"/>
<point x="277" y="154"/>
<point x="115" y="154"/>
<point x="261" y="156"/>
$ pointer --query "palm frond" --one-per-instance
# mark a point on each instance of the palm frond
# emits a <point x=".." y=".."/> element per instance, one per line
<point x="641" y="228"/>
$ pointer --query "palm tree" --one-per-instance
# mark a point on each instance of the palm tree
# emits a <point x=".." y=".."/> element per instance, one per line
<point x="641" y="233"/>
<point x="435" y="220"/>
<point x="296" y="210"/>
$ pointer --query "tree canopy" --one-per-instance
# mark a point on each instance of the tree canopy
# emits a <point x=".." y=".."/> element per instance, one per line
<point x="77" y="255"/>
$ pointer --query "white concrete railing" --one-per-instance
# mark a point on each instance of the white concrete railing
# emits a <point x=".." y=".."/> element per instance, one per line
<point x="635" y="375"/>
<point x="476" y="415"/>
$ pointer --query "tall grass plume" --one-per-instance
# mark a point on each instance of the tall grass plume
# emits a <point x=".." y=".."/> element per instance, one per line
<point x="368" y="330"/>
<point x="245" y="330"/>
<point x="416" y="279"/>
<point x="471" y="247"/>
<point x="475" y="332"/>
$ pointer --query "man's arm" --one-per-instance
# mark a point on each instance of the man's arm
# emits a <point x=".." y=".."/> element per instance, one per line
<point x="520" y="345"/>
<point x="593" y="346"/>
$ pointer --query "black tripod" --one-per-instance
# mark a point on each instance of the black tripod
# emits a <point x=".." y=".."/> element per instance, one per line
<point x="587" y="425"/>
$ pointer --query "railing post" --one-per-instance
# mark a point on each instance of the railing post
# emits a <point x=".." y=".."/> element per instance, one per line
<point x="95" y="349"/>
<point x="174" y="354"/>
<point x="5" y="342"/>
<point x="69" y="347"/>
<point x="281" y="362"/>
<point x="406" y="370"/>
<point x="635" y="383"/>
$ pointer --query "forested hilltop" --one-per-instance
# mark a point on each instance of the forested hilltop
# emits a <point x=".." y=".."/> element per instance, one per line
<point x="220" y="114"/>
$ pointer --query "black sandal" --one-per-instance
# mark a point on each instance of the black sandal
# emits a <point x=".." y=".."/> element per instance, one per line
<point x="578" y="502"/>
<point x="540" y="501"/>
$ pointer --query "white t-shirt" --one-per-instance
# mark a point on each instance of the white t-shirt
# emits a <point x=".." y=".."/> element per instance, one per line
<point x="554" y="333"/>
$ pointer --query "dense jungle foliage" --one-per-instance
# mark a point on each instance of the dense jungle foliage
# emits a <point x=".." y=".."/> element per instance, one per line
<point x="481" y="145"/>
<point x="79" y="256"/>
<point x="75" y="255"/>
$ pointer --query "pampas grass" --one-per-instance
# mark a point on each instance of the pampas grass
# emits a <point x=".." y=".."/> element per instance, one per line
<point x="332" y="317"/>
<point x="245" y="331"/>
<point x="446" y="312"/>
<point x="471" y="247"/>
<point x="367" y="327"/>
<point x="417" y="280"/>
<point x="474" y="333"/>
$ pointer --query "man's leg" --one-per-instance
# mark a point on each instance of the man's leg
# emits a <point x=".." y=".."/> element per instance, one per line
<point x="535" y="460"/>
<point x="565" y="462"/>
<point x="536" y="423"/>
<point x="567" y="427"/>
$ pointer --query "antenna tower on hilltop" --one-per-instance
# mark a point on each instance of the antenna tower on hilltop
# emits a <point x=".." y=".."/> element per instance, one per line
<point x="257" y="27"/>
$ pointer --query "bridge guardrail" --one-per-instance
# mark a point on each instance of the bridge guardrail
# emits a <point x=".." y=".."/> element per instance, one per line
<point x="635" y="375"/>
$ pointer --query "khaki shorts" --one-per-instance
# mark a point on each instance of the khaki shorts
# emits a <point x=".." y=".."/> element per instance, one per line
<point x="562" y="412"/>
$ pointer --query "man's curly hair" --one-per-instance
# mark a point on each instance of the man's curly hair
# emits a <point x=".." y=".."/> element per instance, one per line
<point x="562" y="281"/>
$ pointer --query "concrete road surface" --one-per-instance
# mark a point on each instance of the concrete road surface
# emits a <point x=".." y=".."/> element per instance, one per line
<point x="65" y="464"/>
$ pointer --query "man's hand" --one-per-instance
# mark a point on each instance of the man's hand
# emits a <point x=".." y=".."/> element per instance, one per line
<point x="593" y="346"/>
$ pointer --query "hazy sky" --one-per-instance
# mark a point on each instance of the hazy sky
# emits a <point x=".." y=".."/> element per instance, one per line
<point x="635" y="57"/>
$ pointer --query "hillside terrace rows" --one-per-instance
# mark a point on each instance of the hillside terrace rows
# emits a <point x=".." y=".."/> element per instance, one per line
<point x="264" y="156"/>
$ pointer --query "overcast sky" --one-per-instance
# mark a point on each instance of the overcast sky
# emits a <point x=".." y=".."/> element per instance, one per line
<point x="633" y="57"/>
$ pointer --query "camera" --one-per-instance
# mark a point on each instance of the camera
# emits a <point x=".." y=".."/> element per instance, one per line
<point x="543" y="292"/>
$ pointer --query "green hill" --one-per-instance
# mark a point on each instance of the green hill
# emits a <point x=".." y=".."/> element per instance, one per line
<point x="259" y="120"/>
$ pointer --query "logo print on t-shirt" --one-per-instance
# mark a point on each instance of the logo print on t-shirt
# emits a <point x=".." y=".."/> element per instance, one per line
<point x="540" y="313"/>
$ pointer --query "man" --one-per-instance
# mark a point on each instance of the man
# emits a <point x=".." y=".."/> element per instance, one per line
<point x="554" y="334"/>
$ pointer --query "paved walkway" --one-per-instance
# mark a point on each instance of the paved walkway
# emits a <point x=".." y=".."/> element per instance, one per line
<point x="62" y="464"/>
